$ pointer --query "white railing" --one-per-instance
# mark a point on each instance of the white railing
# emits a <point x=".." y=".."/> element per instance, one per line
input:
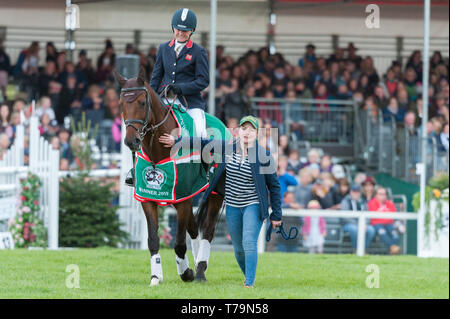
<point x="112" y="172"/>
<point x="44" y="162"/>
<point x="360" y="215"/>
<point x="11" y="169"/>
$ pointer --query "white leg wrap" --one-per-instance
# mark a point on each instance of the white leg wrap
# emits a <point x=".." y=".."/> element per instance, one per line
<point x="195" y="246"/>
<point x="156" y="266"/>
<point x="203" y="253"/>
<point x="182" y="264"/>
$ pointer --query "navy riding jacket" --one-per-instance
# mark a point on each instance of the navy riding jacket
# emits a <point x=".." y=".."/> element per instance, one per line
<point x="190" y="71"/>
<point x="262" y="166"/>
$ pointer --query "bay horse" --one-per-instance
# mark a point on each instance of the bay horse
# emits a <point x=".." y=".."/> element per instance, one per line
<point x="146" y="119"/>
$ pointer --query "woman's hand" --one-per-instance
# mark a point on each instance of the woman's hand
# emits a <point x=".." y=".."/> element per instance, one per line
<point x="275" y="223"/>
<point x="167" y="139"/>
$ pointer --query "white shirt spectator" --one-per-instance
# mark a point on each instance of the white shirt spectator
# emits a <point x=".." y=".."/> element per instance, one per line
<point x="49" y="111"/>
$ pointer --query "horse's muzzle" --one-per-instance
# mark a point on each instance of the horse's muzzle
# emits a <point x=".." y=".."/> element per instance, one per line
<point x="133" y="144"/>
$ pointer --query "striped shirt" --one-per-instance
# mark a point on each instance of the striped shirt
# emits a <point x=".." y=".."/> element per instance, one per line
<point x="240" y="187"/>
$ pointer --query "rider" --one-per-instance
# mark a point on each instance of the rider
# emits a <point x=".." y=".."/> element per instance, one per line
<point x="182" y="66"/>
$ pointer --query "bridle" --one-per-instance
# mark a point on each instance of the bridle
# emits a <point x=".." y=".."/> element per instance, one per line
<point x="146" y="126"/>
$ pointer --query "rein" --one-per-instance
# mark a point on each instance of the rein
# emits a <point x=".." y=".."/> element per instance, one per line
<point x="282" y="232"/>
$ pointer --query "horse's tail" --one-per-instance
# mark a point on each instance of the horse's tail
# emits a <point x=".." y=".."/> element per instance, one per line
<point x="202" y="211"/>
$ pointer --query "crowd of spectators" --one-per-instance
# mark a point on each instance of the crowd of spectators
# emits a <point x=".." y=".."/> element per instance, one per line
<point x="319" y="184"/>
<point x="64" y="89"/>
<point x="344" y="75"/>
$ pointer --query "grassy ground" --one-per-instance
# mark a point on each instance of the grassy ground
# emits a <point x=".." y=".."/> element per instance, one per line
<point x="115" y="273"/>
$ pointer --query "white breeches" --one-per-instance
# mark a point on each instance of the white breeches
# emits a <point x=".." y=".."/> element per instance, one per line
<point x="198" y="115"/>
<point x="200" y="121"/>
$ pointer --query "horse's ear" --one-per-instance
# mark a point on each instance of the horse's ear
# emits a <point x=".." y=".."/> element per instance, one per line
<point x="141" y="76"/>
<point x="120" y="79"/>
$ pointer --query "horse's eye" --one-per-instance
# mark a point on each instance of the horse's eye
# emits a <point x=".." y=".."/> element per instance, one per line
<point x="142" y="103"/>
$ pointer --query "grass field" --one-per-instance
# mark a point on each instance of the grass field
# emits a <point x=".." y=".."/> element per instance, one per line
<point x="115" y="273"/>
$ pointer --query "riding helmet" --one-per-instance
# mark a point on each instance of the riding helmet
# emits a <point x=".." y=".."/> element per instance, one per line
<point x="184" y="19"/>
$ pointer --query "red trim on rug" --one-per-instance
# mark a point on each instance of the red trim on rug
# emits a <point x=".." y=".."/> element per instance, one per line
<point x="174" y="193"/>
<point x="169" y="202"/>
<point x="176" y="120"/>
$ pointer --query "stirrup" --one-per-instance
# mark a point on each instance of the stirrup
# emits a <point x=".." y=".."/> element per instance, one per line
<point x="129" y="180"/>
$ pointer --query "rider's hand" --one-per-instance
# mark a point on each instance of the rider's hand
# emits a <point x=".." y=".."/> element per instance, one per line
<point x="275" y="223"/>
<point x="175" y="89"/>
<point x="167" y="139"/>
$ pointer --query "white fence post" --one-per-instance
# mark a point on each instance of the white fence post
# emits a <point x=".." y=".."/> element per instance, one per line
<point x="130" y="212"/>
<point x="53" y="224"/>
<point x="361" y="235"/>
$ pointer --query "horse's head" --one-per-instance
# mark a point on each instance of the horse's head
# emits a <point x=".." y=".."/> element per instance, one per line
<point x="135" y="105"/>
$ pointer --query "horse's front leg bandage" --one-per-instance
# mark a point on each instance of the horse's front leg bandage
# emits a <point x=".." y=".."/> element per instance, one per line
<point x="182" y="264"/>
<point x="195" y="243"/>
<point x="203" y="253"/>
<point x="156" y="266"/>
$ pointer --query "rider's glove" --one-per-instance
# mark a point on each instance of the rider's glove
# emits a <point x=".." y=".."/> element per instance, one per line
<point x="175" y="89"/>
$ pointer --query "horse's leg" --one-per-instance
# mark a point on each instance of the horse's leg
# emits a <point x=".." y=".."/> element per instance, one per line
<point x="151" y="214"/>
<point x="192" y="230"/>
<point x="184" y="210"/>
<point x="208" y="228"/>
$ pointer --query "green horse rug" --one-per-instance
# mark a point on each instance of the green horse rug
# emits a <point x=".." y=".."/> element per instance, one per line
<point x="182" y="175"/>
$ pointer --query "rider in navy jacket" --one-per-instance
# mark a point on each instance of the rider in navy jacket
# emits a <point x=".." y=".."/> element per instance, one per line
<point x="182" y="66"/>
<point x="189" y="72"/>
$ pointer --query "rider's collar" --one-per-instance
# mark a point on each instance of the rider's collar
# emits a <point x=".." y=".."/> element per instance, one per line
<point x="188" y="44"/>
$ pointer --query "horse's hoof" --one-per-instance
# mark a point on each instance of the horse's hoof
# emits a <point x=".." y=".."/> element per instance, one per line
<point x="200" y="272"/>
<point x="154" y="282"/>
<point x="188" y="275"/>
<point x="200" y="278"/>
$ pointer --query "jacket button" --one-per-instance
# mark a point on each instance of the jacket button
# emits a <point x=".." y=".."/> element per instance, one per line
<point x="173" y="72"/>
<point x="173" y="81"/>
<point x="174" y="64"/>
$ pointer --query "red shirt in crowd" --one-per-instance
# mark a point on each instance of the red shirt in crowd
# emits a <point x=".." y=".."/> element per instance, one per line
<point x="387" y="207"/>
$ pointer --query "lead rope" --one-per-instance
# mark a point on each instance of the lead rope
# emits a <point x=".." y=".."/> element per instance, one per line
<point x="282" y="232"/>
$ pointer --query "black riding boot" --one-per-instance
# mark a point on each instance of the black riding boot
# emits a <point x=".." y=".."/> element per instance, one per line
<point x="129" y="180"/>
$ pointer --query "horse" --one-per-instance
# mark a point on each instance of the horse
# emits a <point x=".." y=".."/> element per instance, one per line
<point x="146" y="119"/>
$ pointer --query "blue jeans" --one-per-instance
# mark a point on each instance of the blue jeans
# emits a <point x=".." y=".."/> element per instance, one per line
<point x="352" y="229"/>
<point x="244" y="225"/>
<point x="387" y="234"/>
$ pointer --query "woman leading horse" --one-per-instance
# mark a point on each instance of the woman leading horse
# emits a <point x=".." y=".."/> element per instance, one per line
<point x="249" y="172"/>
